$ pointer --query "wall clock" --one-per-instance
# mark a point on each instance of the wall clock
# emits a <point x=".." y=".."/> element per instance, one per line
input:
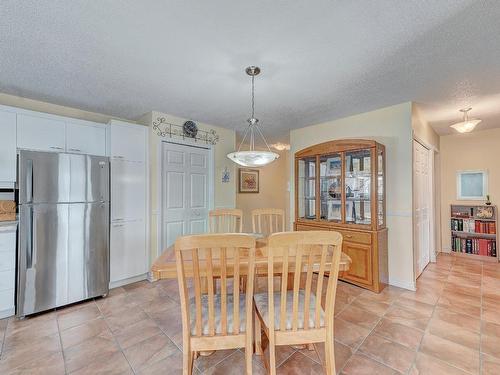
<point x="190" y="129"/>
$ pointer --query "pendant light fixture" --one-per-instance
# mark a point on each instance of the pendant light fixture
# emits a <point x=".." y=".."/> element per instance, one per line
<point x="253" y="157"/>
<point x="467" y="125"/>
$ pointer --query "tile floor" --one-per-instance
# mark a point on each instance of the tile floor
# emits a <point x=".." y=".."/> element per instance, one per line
<point x="450" y="325"/>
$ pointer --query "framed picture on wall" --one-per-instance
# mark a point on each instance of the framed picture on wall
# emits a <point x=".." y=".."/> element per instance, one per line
<point x="472" y="185"/>
<point x="248" y="180"/>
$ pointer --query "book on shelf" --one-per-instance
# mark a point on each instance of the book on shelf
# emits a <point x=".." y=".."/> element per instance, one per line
<point x="473" y="226"/>
<point x="477" y="246"/>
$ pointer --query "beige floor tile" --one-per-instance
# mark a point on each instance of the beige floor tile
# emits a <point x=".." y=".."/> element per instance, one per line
<point x="149" y="351"/>
<point x="428" y="365"/>
<point x="52" y="364"/>
<point x="455" y="333"/>
<point x="204" y="363"/>
<point x="428" y="295"/>
<point x="359" y="316"/>
<point x="349" y="333"/>
<point x="77" y="335"/>
<point x="450" y="352"/>
<point x="121" y="320"/>
<point x="423" y="308"/>
<point x="408" y="317"/>
<point x="391" y="354"/>
<point x="31" y="327"/>
<point x="460" y="320"/>
<point x="235" y="365"/>
<point x="369" y="304"/>
<point x="94" y="350"/>
<point x="173" y="363"/>
<point x="490" y="365"/>
<point x="490" y="339"/>
<point x="113" y="364"/>
<point x="136" y="332"/>
<point x="402" y="334"/>
<point x="68" y="319"/>
<point x="15" y="354"/>
<point x="115" y="304"/>
<point x="456" y="303"/>
<point x="490" y="312"/>
<point x="342" y="354"/>
<point x="361" y="365"/>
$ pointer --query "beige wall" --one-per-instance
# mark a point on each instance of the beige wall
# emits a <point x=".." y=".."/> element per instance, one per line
<point x="224" y="193"/>
<point x="273" y="190"/>
<point x="392" y="127"/>
<point x="473" y="151"/>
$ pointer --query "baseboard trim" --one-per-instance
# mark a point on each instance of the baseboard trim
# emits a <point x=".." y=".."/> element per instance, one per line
<point x="403" y="284"/>
<point x="7" y="312"/>
<point x="130" y="280"/>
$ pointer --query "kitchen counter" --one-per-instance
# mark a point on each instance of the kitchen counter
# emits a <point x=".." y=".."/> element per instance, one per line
<point x="8" y="223"/>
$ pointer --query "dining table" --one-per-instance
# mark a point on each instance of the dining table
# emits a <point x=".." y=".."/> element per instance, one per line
<point x="164" y="267"/>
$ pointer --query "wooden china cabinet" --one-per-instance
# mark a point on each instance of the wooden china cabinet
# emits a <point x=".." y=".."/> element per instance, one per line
<point x="340" y="186"/>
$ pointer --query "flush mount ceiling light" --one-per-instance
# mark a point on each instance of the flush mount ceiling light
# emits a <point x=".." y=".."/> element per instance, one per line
<point x="253" y="157"/>
<point x="467" y="125"/>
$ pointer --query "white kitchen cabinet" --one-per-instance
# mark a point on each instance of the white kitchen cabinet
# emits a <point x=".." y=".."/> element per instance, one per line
<point x="128" y="141"/>
<point x="7" y="149"/>
<point x="86" y="139"/>
<point x="128" y="190"/>
<point x="128" y="251"/>
<point x="129" y="260"/>
<point x="40" y="133"/>
<point x="7" y="269"/>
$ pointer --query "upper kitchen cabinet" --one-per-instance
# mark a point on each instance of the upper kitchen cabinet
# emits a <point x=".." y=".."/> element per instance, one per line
<point x="40" y="133"/>
<point x="7" y="149"/>
<point x="127" y="141"/>
<point x="86" y="138"/>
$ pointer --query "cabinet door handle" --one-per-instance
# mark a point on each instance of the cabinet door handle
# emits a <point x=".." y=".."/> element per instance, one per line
<point x="348" y="236"/>
<point x="118" y="157"/>
<point x="56" y="148"/>
<point x="118" y="225"/>
<point x="75" y="149"/>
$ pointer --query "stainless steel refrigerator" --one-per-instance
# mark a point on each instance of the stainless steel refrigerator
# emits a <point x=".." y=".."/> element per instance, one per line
<point x="63" y="245"/>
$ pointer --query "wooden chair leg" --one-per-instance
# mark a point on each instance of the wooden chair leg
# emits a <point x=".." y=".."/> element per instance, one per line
<point x="248" y="354"/>
<point x="257" y="335"/>
<point x="272" y="355"/>
<point x="187" y="361"/>
<point x="329" y="355"/>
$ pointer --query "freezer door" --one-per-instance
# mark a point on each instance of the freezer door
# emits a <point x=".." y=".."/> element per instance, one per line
<point x="88" y="249"/>
<point x="43" y="258"/>
<point x="89" y="178"/>
<point x="43" y="177"/>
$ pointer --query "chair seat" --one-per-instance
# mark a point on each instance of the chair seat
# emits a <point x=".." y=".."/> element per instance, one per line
<point x="217" y="308"/>
<point x="261" y="303"/>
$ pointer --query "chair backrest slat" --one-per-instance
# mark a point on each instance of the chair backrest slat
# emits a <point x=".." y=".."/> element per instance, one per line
<point x="225" y="220"/>
<point x="273" y="217"/>
<point x="204" y="259"/>
<point x="312" y="252"/>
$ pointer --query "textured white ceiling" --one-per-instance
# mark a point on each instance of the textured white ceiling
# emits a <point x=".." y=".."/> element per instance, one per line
<point x="320" y="60"/>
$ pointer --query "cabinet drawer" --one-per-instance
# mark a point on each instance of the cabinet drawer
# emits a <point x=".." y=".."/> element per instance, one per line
<point x="8" y="241"/>
<point x="7" y="260"/>
<point x="358" y="237"/>
<point x="7" y="279"/>
<point x="302" y="227"/>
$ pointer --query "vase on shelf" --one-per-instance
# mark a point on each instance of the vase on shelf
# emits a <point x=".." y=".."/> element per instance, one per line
<point x="488" y="202"/>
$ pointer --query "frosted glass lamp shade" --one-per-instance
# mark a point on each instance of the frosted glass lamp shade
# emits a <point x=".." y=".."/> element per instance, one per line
<point x="253" y="158"/>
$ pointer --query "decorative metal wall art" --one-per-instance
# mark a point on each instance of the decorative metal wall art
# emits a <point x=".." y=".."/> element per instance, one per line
<point x="165" y="129"/>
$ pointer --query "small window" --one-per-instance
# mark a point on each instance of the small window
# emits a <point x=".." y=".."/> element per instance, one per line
<point x="472" y="185"/>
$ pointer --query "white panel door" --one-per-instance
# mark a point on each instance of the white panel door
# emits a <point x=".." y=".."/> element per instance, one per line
<point x="422" y="201"/>
<point x="40" y="133"/>
<point x="185" y="189"/>
<point x="86" y="139"/>
<point x="7" y="147"/>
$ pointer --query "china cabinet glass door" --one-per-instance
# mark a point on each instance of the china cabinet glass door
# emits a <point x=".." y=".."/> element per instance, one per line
<point x="307" y="188"/>
<point x="331" y="187"/>
<point x="358" y="187"/>
<point x="380" y="188"/>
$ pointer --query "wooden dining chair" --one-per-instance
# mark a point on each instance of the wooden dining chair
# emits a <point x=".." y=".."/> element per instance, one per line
<point x="215" y="321"/>
<point x="295" y="317"/>
<point x="225" y="220"/>
<point x="268" y="220"/>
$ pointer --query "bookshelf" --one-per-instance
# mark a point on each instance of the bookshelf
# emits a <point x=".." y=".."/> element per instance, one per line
<point x="474" y="232"/>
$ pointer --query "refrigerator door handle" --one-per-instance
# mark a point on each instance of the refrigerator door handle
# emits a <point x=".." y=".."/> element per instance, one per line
<point x="29" y="250"/>
<point x="29" y="181"/>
